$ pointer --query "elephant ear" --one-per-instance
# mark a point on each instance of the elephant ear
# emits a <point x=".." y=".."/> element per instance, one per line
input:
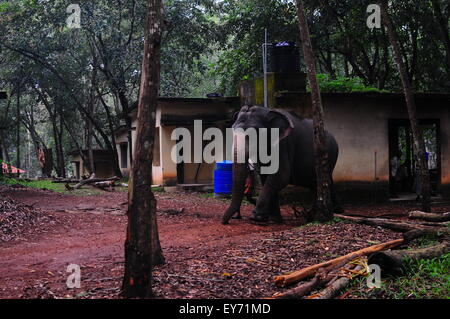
<point x="234" y="117"/>
<point x="281" y="119"/>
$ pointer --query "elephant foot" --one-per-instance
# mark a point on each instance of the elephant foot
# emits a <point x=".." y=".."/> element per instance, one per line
<point x="237" y="217"/>
<point x="276" y="219"/>
<point x="259" y="218"/>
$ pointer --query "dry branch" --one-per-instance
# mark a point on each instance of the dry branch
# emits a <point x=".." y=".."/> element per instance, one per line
<point x="285" y="280"/>
<point x="431" y="217"/>
<point x="324" y="276"/>
<point x="336" y="286"/>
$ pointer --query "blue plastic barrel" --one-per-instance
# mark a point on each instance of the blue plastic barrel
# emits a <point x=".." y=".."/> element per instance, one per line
<point x="223" y="178"/>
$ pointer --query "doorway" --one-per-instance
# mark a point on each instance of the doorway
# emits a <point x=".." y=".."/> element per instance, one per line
<point x="404" y="185"/>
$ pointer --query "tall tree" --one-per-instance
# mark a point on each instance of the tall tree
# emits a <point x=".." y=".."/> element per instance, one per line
<point x="324" y="205"/>
<point x="411" y="105"/>
<point x="18" y="128"/>
<point x="142" y="247"/>
<point x="443" y="27"/>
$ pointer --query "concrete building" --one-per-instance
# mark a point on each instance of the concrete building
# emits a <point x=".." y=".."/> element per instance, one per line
<point x="370" y="128"/>
<point x="103" y="164"/>
<point x="170" y="114"/>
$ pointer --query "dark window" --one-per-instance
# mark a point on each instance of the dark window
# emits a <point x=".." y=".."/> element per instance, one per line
<point x="156" y="147"/>
<point x="77" y="170"/>
<point x="124" y="155"/>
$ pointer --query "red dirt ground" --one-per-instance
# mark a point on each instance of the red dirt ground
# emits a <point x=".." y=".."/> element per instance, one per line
<point x="204" y="259"/>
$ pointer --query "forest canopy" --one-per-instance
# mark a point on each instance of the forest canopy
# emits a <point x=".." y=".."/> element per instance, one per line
<point x="68" y="87"/>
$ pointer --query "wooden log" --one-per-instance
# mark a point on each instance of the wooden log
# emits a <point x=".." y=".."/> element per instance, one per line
<point x="296" y="276"/>
<point x="392" y="261"/>
<point x="91" y="181"/>
<point x="417" y="233"/>
<point x="431" y="217"/>
<point x="301" y="290"/>
<point x="336" y="286"/>
<point x="387" y="223"/>
<point x="104" y="184"/>
<point x="65" y="180"/>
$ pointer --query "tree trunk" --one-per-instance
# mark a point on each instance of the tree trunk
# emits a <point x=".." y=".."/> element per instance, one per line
<point x="62" y="163"/>
<point x="18" y="130"/>
<point x="4" y="151"/>
<point x="115" y="157"/>
<point x="410" y="103"/>
<point x="56" y="141"/>
<point x="324" y="206"/>
<point x="45" y="158"/>
<point x="142" y="246"/>
<point x="37" y="141"/>
<point x="129" y="126"/>
<point x="1" y="157"/>
<point x="443" y="27"/>
<point x="91" y="110"/>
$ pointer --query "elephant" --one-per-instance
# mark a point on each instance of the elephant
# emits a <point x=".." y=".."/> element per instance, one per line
<point x="296" y="160"/>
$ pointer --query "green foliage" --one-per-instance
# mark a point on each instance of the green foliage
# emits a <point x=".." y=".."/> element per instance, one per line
<point x="423" y="278"/>
<point x="343" y="84"/>
<point x="424" y="241"/>
<point x="343" y="45"/>
<point x="48" y="185"/>
<point x="242" y="29"/>
<point x="335" y="220"/>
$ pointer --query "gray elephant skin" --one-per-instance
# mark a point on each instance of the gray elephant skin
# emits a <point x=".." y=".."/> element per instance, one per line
<point x="296" y="160"/>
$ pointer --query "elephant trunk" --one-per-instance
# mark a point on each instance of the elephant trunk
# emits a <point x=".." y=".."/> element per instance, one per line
<point x="240" y="174"/>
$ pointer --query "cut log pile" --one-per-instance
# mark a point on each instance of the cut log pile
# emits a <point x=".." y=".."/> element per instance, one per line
<point x="334" y="275"/>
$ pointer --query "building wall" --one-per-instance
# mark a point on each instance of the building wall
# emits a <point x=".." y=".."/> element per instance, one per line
<point x="181" y="113"/>
<point x="167" y="174"/>
<point x="122" y="139"/>
<point x="360" y="126"/>
<point x="157" y="176"/>
<point x="103" y="167"/>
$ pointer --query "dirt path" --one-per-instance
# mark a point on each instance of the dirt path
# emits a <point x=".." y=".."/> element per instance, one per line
<point x="204" y="259"/>
<point x="91" y="230"/>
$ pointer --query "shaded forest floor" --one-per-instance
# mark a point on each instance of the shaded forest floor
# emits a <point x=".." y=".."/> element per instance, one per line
<point x="204" y="259"/>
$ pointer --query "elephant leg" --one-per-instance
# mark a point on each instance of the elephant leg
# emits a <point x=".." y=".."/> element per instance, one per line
<point x="237" y="215"/>
<point x="275" y="212"/>
<point x="267" y="206"/>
